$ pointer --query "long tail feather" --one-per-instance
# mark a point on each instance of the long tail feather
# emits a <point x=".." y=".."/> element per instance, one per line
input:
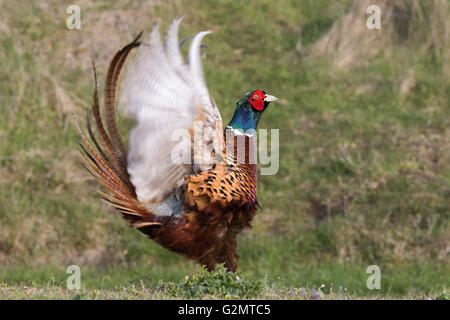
<point x="114" y="163"/>
<point x="112" y="78"/>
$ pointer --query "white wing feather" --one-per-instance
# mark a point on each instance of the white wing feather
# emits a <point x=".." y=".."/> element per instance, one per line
<point x="163" y="94"/>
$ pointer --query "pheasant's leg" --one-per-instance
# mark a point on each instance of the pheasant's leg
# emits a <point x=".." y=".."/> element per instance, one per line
<point x="209" y="262"/>
<point x="228" y="254"/>
<point x="210" y="266"/>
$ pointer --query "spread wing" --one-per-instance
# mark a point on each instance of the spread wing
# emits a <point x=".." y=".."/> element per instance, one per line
<point x="168" y="99"/>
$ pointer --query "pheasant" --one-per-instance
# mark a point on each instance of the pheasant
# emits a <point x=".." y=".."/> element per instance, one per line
<point x="184" y="181"/>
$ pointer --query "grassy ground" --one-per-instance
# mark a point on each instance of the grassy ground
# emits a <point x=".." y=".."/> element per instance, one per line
<point x="364" y="146"/>
<point x="219" y="284"/>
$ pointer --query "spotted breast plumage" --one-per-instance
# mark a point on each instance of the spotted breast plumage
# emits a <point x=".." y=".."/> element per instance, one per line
<point x="184" y="181"/>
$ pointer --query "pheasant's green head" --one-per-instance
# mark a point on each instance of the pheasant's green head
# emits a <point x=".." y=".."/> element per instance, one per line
<point x="249" y="110"/>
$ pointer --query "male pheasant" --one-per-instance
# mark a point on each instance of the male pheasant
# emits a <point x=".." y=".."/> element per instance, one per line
<point x="184" y="182"/>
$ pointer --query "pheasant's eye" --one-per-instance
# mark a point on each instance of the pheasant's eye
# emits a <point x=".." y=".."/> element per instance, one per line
<point x="255" y="96"/>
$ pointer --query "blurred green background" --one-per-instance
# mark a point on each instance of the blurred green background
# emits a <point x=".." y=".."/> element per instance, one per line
<point x="364" y="140"/>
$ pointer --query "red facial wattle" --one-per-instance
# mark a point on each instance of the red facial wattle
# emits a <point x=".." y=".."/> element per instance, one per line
<point x="257" y="100"/>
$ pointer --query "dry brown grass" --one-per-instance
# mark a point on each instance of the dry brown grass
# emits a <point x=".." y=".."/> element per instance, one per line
<point x="350" y="44"/>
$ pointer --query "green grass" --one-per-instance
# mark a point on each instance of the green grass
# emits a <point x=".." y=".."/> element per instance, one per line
<point x="364" y="169"/>
<point x="219" y="284"/>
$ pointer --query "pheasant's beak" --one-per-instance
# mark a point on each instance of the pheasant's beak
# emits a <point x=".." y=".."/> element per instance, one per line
<point x="269" y="98"/>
